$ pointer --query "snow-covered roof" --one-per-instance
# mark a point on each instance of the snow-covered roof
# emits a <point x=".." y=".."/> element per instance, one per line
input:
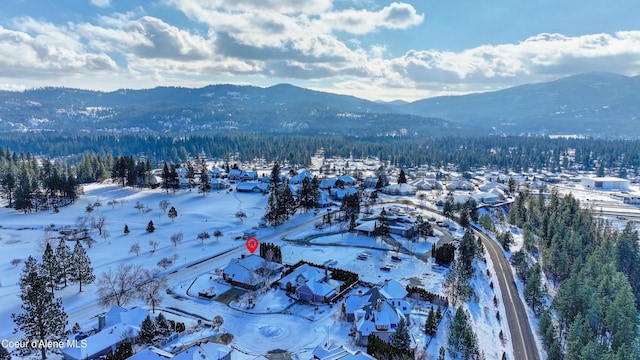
<point x="206" y="351"/>
<point x="101" y="341"/>
<point x="243" y="270"/>
<point x="323" y="288"/>
<point x="355" y="302"/>
<point x="367" y="226"/>
<point x="334" y="352"/>
<point x="328" y="183"/>
<point x="341" y="193"/>
<point x="303" y="274"/>
<point x="400" y="189"/>
<point x="426" y="184"/>
<point x="392" y="289"/>
<point x="347" y="179"/>
<point x="297" y="179"/>
<point x="151" y="353"/>
<point x="251" y="186"/>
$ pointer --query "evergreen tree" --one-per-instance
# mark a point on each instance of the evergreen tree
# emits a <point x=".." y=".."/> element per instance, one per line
<point x="63" y="257"/>
<point x="173" y="213"/>
<point x="76" y="329"/>
<point x="205" y="183"/>
<point x="150" y="227"/>
<point x="309" y="194"/>
<point x="123" y="352"/>
<point x="287" y="202"/>
<point x="533" y="292"/>
<point x="81" y="270"/>
<point x="401" y="339"/>
<point x="4" y="354"/>
<point x="274" y="179"/>
<point x="25" y="189"/>
<point x="43" y="318"/>
<point x="148" y="331"/>
<point x="51" y="269"/>
<point x="447" y="208"/>
<point x="126" y="229"/>
<point x="402" y="178"/>
<point x="463" y="342"/>
<point x="383" y="224"/>
<point x="162" y="326"/>
<point x="431" y="324"/>
<point x="352" y="223"/>
<point x="8" y="181"/>
<point x="380" y="183"/>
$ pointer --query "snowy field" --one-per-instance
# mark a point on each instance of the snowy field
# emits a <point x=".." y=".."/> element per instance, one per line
<point x="276" y="322"/>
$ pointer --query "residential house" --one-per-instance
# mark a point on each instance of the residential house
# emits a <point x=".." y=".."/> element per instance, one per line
<point x="340" y="194"/>
<point x="299" y="178"/>
<point x="334" y="352"/>
<point x="399" y="189"/>
<point x="376" y="314"/>
<point x="204" y="351"/>
<point x="310" y="283"/>
<point x="218" y="184"/>
<point x="255" y="187"/>
<point x="251" y="272"/>
<point x="115" y="327"/>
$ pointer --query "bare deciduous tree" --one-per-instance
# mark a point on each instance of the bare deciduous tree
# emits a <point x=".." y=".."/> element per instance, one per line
<point x="217" y="322"/>
<point x="164" y="205"/>
<point x="176" y="238"/>
<point x="154" y="244"/>
<point x="139" y="206"/>
<point x="151" y="287"/>
<point x="99" y="224"/>
<point x="118" y="288"/>
<point x="135" y="249"/>
<point x="165" y="263"/>
<point x="203" y="236"/>
<point x="241" y="215"/>
<point x="112" y="203"/>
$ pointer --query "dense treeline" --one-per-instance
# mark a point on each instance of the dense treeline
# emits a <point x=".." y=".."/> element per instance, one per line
<point x="594" y="314"/>
<point x="511" y="152"/>
<point x="30" y="184"/>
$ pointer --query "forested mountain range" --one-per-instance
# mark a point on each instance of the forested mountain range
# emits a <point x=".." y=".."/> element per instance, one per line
<point x="280" y="109"/>
<point x="596" y="104"/>
<point x="592" y="104"/>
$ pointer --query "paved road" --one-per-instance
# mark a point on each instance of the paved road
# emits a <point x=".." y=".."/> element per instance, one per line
<point x="522" y="339"/>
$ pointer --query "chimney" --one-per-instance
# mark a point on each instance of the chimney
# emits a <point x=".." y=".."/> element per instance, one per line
<point x="102" y="321"/>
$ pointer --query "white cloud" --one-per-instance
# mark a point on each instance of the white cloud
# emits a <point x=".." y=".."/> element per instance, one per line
<point x="26" y="56"/>
<point x="101" y="3"/>
<point x="196" y="7"/>
<point x="147" y="37"/>
<point x="538" y="58"/>
<point x="394" y="16"/>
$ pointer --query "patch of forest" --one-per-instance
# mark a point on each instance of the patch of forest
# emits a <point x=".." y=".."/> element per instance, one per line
<point x="594" y="271"/>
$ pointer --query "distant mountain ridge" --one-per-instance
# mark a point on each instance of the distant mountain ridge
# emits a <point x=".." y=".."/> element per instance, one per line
<point x="281" y="108"/>
<point x="595" y="104"/>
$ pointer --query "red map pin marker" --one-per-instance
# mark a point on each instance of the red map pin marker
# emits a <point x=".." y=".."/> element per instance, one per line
<point x="252" y="244"/>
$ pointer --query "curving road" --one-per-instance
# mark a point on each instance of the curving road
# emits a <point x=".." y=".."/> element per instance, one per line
<point x="522" y="338"/>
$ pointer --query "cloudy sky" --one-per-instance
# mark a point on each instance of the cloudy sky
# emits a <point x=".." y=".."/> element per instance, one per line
<point x="405" y="49"/>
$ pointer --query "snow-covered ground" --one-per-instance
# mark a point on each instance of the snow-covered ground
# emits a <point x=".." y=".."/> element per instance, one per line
<point x="276" y="322"/>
